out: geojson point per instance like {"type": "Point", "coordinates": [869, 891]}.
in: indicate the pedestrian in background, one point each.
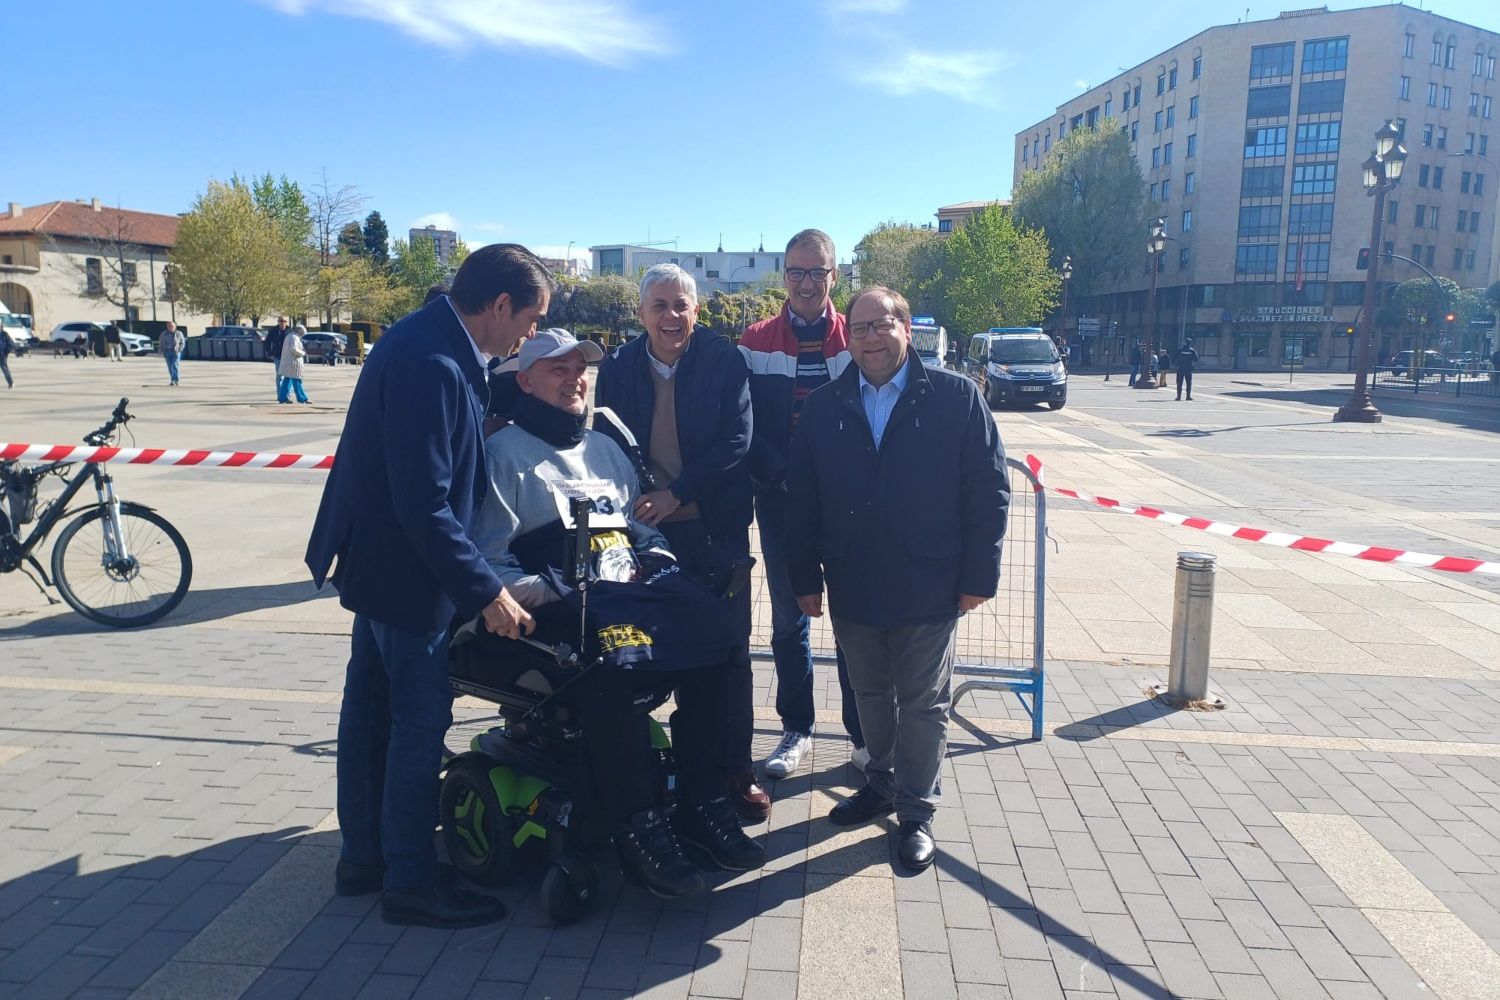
{"type": "Point", "coordinates": [291, 367]}
{"type": "Point", "coordinates": [888, 438]}
{"type": "Point", "coordinates": [173, 342]}
{"type": "Point", "coordinates": [393, 526]}
{"type": "Point", "coordinates": [6, 347]}
{"type": "Point", "coordinates": [791, 354]}
{"type": "Point", "coordinates": [1137, 360]}
{"type": "Point", "coordinates": [274, 340]}
{"type": "Point", "coordinates": [1163, 361]}
{"type": "Point", "coordinates": [1186, 359]}
{"type": "Point", "coordinates": [112, 342]}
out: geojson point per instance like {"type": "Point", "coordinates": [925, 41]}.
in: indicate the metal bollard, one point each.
{"type": "Point", "coordinates": [1192, 633]}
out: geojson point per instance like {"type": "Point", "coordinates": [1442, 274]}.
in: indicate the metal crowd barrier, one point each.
{"type": "Point", "coordinates": [1000, 647]}
{"type": "Point", "coordinates": [1456, 382]}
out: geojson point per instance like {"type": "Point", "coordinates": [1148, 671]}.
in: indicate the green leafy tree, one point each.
{"type": "Point", "coordinates": [377, 239]}
{"type": "Point", "coordinates": [997, 274]}
{"type": "Point", "coordinates": [231, 258]}
{"type": "Point", "coordinates": [1090, 199]}
{"type": "Point", "coordinates": [351, 241]}
{"type": "Point", "coordinates": [414, 268]}
{"type": "Point", "coordinates": [1492, 296]}
{"type": "Point", "coordinates": [458, 255]}
{"type": "Point", "coordinates": [283, 201]}
{"type": "Point", "coordinates": [609, 302]}
{"type": "Point", "coordinates": [900, 256]}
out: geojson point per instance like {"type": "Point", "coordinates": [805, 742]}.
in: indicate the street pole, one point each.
{"type": "Point", "coordinates": [1155, 247]}
{"type": "Point", "coordinates": [1067, 276]}
{"type": "Point", "coordinates": [1381, 172]}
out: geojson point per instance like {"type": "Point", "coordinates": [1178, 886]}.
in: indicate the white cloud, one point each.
{"type": "Point", "coordinates": [964, 75]}
{"type": "Point", "coordinates": [866, 6]}
{"type": "Point", "coordinates": [599, 30]}
{"type": "Point", "coordinates": [1081, 84]}
{"type": "Point", "coordinates": [557, 251]}
{"type": "Point", "coordinates": [442, 220]}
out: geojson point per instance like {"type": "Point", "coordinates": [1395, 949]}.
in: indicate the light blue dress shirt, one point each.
{"type": "Point", "coordinates": [880, 401]}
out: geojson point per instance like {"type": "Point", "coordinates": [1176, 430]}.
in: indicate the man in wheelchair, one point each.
{"type": "Point", "coordinates": [645, 627]}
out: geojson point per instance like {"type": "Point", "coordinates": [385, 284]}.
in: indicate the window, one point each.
{"type": "Point", "coordinates": [751, 262]}
{"type": "Point", "coordinates": [1076, 123]}
{"type": "Point", "coordinates": [1313, 256]}
{"type": "Point", "coordinates": [1320, 97]}
{"type": "Point", "coordinates": [1478, 63]}
{"type": "Point", "coordinates": [1262, 142]}
{"type": "Point", "coordinates": [1166, 154]}
{"type": "Point", "coordinates": [1047, 141]}
{"type": "Point", "coordinates": [1108, 103]}
{"type": "Point", "coordinates": [1313, 178]}
{"type": "Point", "coordinates": [1125, 100]}
{"type": "Point", "coordinates": [1411, 45]}
{"type": "Point", "coordinates": [1421, 216]}
{"type": "Point", "coordinates": [1187, 221]}
{"type": "Point", "coordinates": [1316, 219]}
{"type": "Point", "coordinates": [1431, 253]}
{"type": "Point", "coordinates": [1262, 182]}
{"type": "Point", "coordinates": [1156, 122]}
{"type": "Point", "coordinates": [1192, 108]}
{"type": "Point", "coordinates": [1172, 78]}
{"type": "Point", "coordinates": [1448, 55]}
{"type": "Point", "coordinates": [1317, 137]}
{"type": "Point", "coordinates": [1437, 178]}
{"type": "Point", "coordinates": [697, 262]}
{"type": "Point", "coordinates": [1458, 259]}
{"type": "Point", "coordinates": [93, 270]}
{"type": "Point", "coordinates": [1447, 101]}
{"type": "Point", "coordinates": [1484, 145]}
{"type": "Point", "coordinates": [1270, 61]}
{"type": "Point", "coordinates": [1269, 102]}
{"type": "Point", "coordinates": [1442, 137]}
{"type": "Point", "coordinates": [1489, 67]}
{"type": "Point", "coordinates": [1463, 182]}
{"type": "Point", "coordinates": [1479, 183]}
{"type": "Point", "coordinates": [1432, 217]}
{"type": "Point", "coordinates": [1325, 55]}
{"type": "Point", "coordinates": [127, 274]}
{"type": "Point", "coordinates": [1166, 189]}
{"type": "Point", "coordinates": [1469, 261]}
{"type": "Point", "coordinates": [1198, 66]}
{"type": "Point", "coordinates": [1255, 259]}
{"type": "Point", "coordinates": [1172, 116]}
{"type": "Point", "coordinates": [1036, 148]}
{"type": "Point", "coordinates": [1427, 134]}
{"type": "Point", "coordinates": [1182, 258]}
{"type": "Point", "coordinates": [1424, 173]}
{"type": "Point", "coordinates": [1135, 95]}
{"type": "Point", "coordinates": [945, 225]}
{"type": "Point", "coordinates": [1468, 142]}
{"type": "Point", "coordinates": [1155, 157]}
{"type": "Point", "coordinates": [169, 282]}
{"type": "Point", "coordinates": [1473, 104]}
{"type": "Point", "coordinates": [1188, 185]}
{"type": "Point", "coordinates": [1161, 83]}
{"type": "Point", "coordinates": [1473, 222]}
{"type": "Point", "coordinates": [1437, 51]}
{"type": "Point", "coordinates": [1487, 107]}
{"type": "Point", "coordinates": [1135, 131]}
{"type": "Point", "coordinates": [1432, 95]}
{"type": "Point", "coordinates": [1392, 207]}
{"type": "Point", "coordinates": [1025, 152]}
{"type": "Point", "coordinates": [1416, 252]}
{"type": "Point", "coordinates": [1257, 221]}
{"type": "Point", "coordinates": [1192, 144]}
{"type": "Point", "coordinates": [1463, 220]}
{"type": "Point", "coordinates": [1406, 88]}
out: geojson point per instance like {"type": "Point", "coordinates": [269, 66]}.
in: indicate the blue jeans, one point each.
{"type": "Point", "coordinates": [790, 648]}
{"type": "Point", "coordinates": [172, 362]}
{"type": "Point", "coordinates": [397, 709]}
{"type": "Point", "coordinates": [286, 386]}
{"type": "Point", "coordinates": [1135, 373]}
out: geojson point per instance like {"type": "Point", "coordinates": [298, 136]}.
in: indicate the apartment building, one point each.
{"type": "Point", "coordinates": [1252, 137]}
{"type": "Point", "coordinates": [713, 270]}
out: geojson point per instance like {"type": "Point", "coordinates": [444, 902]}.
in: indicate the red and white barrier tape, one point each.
{"type": "Point", "coordinates": [161, 456]}
{"type": "Point", "coordinates": [1304, 543]}
{"type": "Point", "coordinates": [274, 460]}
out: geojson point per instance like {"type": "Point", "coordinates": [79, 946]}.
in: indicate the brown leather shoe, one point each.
{"type": "Point", "coordinates": [750, 800]}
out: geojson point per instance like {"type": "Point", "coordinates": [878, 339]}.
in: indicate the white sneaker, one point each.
{"type": "Point", "coordinates": [860, 758]}
{"type": "Point", "coordinates": [788, 754]}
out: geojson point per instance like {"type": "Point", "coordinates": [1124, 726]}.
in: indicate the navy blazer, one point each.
{"type": "Point", "coordinates": [899, 531]}
{"type": "Point", "coordinates": [408, 479]}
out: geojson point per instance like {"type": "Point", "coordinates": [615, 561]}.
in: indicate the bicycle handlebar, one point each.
{"type": "Point", "coordinates": [118, 416]}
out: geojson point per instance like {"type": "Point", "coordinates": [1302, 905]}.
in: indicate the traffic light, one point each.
{"type": "Point", "coordinates": [1363, 264]}
{"type": "Point", "coordinates": [1449, 318]}
{"type": "Point", "coordinates": [1348, 331]}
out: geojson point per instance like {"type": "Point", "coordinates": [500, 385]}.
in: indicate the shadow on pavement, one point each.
{"type": "Point", "coordinates": [197, 607]}
{"type": "Point", "coordinates": [1477, 413]}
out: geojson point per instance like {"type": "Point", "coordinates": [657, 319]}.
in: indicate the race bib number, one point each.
{"type": "Point", "coordinates": [609, 501]}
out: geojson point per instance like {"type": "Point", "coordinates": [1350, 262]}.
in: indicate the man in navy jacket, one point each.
{"type": "Point", "coordinates": [393, 525]}
{"type": "Point", "coordinates": [898, 502]}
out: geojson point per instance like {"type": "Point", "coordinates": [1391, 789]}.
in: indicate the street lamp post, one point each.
{"type": "Point", "coordinates": [1156, 245]}
{"type": "Point", "coordinates": [1382, 171]}
{"type": "Point", "coordinates": [1067, 276]}
{"type": "Point", "coordinates": [744, 302]}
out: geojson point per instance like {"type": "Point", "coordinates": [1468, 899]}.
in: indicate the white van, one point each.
{"type": "Point", "coordinates": [19, 329]}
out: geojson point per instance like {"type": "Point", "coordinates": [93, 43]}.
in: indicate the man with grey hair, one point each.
{"type": "Point", "coordinates": [790, 355]}
{"type": "Point", "coordinates": [684, 394]}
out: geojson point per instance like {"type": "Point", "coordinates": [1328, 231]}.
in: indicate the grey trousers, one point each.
{"type": "Point", "coordinates": [901, 680]}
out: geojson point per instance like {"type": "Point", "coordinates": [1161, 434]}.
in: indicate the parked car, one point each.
{"type": "Point", "coordinates": [325, 347]}
{"type": "Point", "coordinates": [19, 329]}
{"type": "Point", "coordinates": [1433, 364]}
{"type": "Point", "coordinates": [1017, 365]}
{"type": "Point", "coordinates": [234, 332]}
{"type": "Point", "coordinates": [136, 343]}
{"type": "Point", "coordinates": [64, 335]}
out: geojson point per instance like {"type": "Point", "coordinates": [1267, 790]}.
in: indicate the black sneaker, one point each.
{"type": "Point", "coordinates": [650, 854]}
{"type": "Point", "coordinates": [712, 829]}
{"type": "Point", "coordinates": [441, 904]}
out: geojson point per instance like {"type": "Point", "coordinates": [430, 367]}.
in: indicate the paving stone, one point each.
{"type": "Point", "coordinates": [927, 975]}
{"type": "Point", "coordinates": [1287, 974]}
{"type": "Point", "coordinates": [1183, 970]}
{"type": "Point", "coordinates": [1219, 947]}
{"type": "Point", "coordinates": [1156, 918]}
{"type": "Point", "coordinates": [975, 956]}
{"type": "Point", "coordinates": [1033, 980]}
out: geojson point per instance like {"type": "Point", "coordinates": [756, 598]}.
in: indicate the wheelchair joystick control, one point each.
{"type": "Point", "coordinates": [579, 546]}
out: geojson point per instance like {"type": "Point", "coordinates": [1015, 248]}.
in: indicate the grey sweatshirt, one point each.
{"type": "Point", "coordinates": [530, 484]}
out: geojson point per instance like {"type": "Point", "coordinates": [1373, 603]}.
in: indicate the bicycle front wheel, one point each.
{"type": "Point", "coordinates": [122, 590]}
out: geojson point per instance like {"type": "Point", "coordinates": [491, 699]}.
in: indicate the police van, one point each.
{"type": "Point", "coordinates": [1017, 364]}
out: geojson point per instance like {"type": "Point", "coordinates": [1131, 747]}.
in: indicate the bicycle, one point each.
{"type": "Point", "coordinates": [117, 563]}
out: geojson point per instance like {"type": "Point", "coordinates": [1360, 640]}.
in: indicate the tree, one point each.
{"type": "Point", "coordinates": [106, 260]}
{"type": "Point", "coordinates": [230, 259]}
{"type": "Point", "coordinates": [353, 284]}
{"type": "Point", "coordinates": [609, 302]}
{"type": "Point", "coordinates": [414, 268]}
{"type": "Point", "coordinates": [284, 202]}
{"type": "Point", "coordinates": [1492, 296]}
{"type": "Point", "coordinates": [351, 241]}
{"type": "Point", "coordinates": [377, 239]}
{"type": "Point", "coordinates": [901, 256]}
{"type": "Point", "coordinates": [1090, 199]}
{"type": "Point", "coordinates": [332, 208]}
{"type": "Point", "coordinates": [457, 255]}
{"type": "Point", "coordinates": [998, 274]}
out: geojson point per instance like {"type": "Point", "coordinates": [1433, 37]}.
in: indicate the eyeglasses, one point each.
{"type": "Point", "coordinates": [818, 274]}
{"type": "Point", "coordinates": [884, 326]}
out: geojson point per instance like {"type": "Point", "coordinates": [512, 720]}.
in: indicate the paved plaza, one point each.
{"type": "Point", "coordinates": [166, 796]}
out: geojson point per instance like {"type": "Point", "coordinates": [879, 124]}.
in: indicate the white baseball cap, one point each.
{"type": "Point", "coordinates": [555, 343]}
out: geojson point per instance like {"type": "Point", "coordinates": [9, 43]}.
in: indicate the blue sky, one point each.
{"type": "Point", "coordinates": [549, 121]}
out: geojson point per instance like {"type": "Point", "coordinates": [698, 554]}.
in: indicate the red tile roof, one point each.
{"type": "Point", "coordinates": [79, 219]}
